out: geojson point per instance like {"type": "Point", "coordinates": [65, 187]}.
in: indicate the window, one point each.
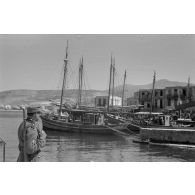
{"type": "Point", "coordinates": [184, 92]}
{"type": "Point", "coordinates": [161, 92]}
{"type": "Point", "coordinates": [161, 104]}
{"type": "Point", "coordinates": [156, 104]}
{"type": "Point", "coordinates": [169, 102]}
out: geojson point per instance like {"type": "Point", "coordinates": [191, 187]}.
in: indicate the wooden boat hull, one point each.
{"type": "Point", "coordinates": [133, 127]}
{"type": "Point", "coordinates": [128, 124]}
{"type": "Point", "coordinates": [113, 120]}
{"type": "Point", "coordinates": [63, 126]}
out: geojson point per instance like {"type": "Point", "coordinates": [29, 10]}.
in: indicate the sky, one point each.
{"type": "Point", "coordinates": [36, 61]}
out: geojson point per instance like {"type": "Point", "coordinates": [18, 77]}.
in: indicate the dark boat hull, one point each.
{"type": "Point", "coordinates": [129, 126]}
{"type": "Point", "coordinates": [133, 127]}
{"type": "Point", "coordinates": [63, 126]}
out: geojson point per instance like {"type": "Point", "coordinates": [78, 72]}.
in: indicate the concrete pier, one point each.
{"type": "Point", "coordinates": [166, 135]}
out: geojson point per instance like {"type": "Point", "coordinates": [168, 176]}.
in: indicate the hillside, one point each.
{"type": "Point", "coordinates": [15, 97]}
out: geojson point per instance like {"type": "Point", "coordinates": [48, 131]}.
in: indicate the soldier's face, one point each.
{"type": "Point", "coordinates": [36, 116]}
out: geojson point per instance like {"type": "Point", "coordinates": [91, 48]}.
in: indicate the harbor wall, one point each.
{"type": "Point", "coordinates": [168, 135]}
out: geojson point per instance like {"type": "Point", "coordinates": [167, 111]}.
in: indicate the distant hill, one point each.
{"type": "Point", "coordinates": [15, 97]}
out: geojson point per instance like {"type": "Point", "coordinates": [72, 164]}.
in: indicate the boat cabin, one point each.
{"type": "Point", "coordinates": [149, 118]}
{"type": "Point", "coordinates": [85, 117]}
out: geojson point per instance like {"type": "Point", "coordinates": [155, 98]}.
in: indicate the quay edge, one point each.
{"type": "Point", "coordinates": [165, 135]}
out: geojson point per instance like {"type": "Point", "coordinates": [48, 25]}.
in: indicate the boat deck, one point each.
{"type": "Point", "coordinates": [61, 125]}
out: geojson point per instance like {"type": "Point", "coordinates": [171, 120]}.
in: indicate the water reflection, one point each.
{"type": "Point", "coordinates": [168, 153]}
{"type": "Point", "coordinates": [86, 147]}
{"type": "Point", "coordinates": [64, 147]}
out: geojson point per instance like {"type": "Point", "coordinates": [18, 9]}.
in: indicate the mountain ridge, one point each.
{"type": "Point", "coordinates": [25, 96]}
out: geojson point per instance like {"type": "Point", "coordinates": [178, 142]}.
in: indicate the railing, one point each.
{"type": "Point", "coordinates": [4, 143]}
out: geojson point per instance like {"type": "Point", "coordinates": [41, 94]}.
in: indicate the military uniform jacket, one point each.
{"type": "Point", "coordinates": [35, 140]}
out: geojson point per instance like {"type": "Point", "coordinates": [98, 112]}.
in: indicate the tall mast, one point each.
{"type": "Point", "coordinates": [188, 90]}
{"type": "Point", "coordinates": [113, 75]}
{"type": "Point", "coordinates": [152, 97]}
{"type": "Point", "coordinates": [109, 85]}
{"type": "Point", "coordinates": [64, 80]}
{"type": "Point", "coordinates": [123, 88]}
{"type": "Point", "coordinates": [80, 81]}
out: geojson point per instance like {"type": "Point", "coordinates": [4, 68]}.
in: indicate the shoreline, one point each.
{"type": "Point", "coordinates": [10, 113]}
{"type": "Point", "coordinates": [10, 110]}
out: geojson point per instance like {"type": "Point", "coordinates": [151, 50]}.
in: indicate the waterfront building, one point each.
{"type": "Point", "coordinates": [179, 95]}
{"type": "Point", "coordinates": [8, 107]}
{"type": "Point", "coordinates": [167, 98]}
{"type": "Point", "coordinates": [145, 99]}
{"type": "Point", "coordinates": [102, 101]}
{"type": "Point", "coordinates": [132, 101]}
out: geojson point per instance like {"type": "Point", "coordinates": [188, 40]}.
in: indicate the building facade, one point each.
{"type": "Point", "coordinates": [179, 95]}
{"type": "Point", "coordinates": [167, 98]}
{"type": "Point", "coordinates": [145, 99]}
{"type": "Point", "coordinates": [102, 101]}
{"type": "Point", "coordinates": [132, 101]}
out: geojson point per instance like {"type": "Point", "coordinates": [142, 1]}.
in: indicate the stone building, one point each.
{"type": "Point", "coordinates": [133, 101]}
{"type": "Point", "coordinates": [167, 98]}
{"type": "Point", "coordinates": [178, 95]}
{"type": "Point", "coordinates": [145, 99]}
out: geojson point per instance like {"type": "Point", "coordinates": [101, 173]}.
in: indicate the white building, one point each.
{"type": "Point", "coordinates": [8, 107]}
{"type": "Point", "coordinates": [102, 101]}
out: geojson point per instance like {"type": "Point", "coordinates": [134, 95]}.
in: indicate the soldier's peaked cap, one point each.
{"type": "Point", "coordinates": [31, 110]}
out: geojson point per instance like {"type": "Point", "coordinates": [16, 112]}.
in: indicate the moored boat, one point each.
{"type": "Point", "coordinates": [79, 121]}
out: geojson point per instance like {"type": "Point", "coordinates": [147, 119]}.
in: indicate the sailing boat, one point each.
{"type": "Point", "coordinates": [79, 121]}
{"type": "Point", "coordinates": [111, 114]}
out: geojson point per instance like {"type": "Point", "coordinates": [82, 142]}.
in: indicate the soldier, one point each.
{"type": "Point", "coordinates": [35, 138]}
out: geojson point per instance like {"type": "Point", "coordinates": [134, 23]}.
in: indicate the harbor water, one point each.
{"type": "Point", "coordinates": [70, 147]}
